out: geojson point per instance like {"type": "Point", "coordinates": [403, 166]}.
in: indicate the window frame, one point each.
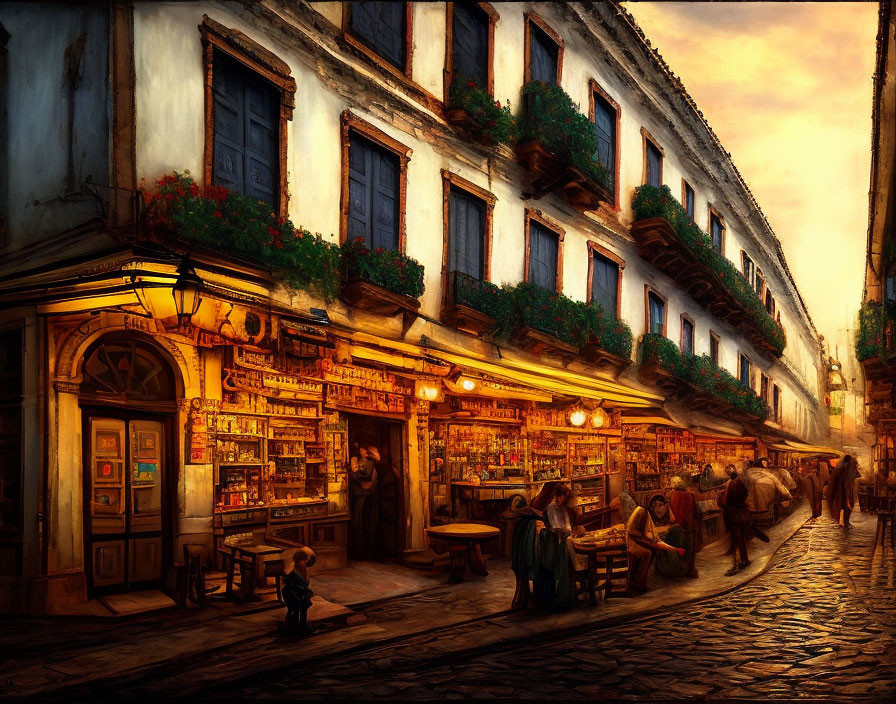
{"type": "Point", "coordinates": [751, 277]}
{"type": "Point", "coordinates": [717, 214]}
{"type": "Point", "coordinates": [352, 123]}
{"type": "Point", "coordinates": [765, 388]}
{"type": "Point", "coordinates": [740, 357]}
{"type": "Point", "coordinates": [556, 228]}
{"type": "Point", "coordinates": [645, 138]}
{"type": "Point", "coordinates": [777, 405]}
{"type": "Point", "coordinates": [450, 179]}
{"type": "Point", "coordinates": [594, 88]}
{"type": "Point", "coordinates": [760, 279]}
{"type": "Point", "coordinates": [765, 302]}
{"type": "Point", "coordinates": [595, 248]}
{"type": "Point", "coordinates": [530, 18]}
{"type": "Point", "coordinates": [215, 36]}
{"type": "Point", "coordinates": [493, 18]}
{"type": "Point", "coordinates": [685, 187]}
{"type": "Point", "coordinates": [371, 54]}
{"type": "Point", "coordinates": [648, 290]}
{"type": "Point", "coordinates": [715, 337]}
{"type": "Point", "coordinates": [685, 318]}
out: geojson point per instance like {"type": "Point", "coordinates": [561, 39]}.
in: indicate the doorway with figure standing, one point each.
{"type": "Point", "coordinates": [376, 488]}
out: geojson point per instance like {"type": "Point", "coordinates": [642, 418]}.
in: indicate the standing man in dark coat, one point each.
{"type": "Point", "coordinates": [738, 519]}
{"type": "Point", "coordinates": [842, 490]}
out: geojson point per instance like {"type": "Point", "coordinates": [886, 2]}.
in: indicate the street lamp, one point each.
{"type": "Point", "coordinates": [187, 291]}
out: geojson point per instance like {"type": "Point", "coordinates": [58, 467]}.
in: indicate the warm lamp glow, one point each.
{"type": "Point", "coordinates": [599, 418]}
{"type": "Point", "coordinates": [428, 392]}
{"type": "Point", "coordinates": [467, 384]}
{"type": "Point", "coordinates": [577, 417]}
{"type": "Point", "coordinates": [187, 291]}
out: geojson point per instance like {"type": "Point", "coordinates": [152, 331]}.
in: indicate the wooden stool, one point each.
{"type": "Point", "coordinates": [192, 577]}
{"type": "Point", "coordinates": [589, 580]}
{"type": "Point", "coordinates": [885, 508]}
{"type": "Point", "coordinates": [613, 561]}
{"type": "Point", "coordinates": [274, 566]}
{"type": "Point", "coordinates": [229, 561]}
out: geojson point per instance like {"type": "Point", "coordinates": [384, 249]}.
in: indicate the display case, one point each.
{"type": "Point", "coordinates": [240, 460]}
{"type": "Point", "coordinates": [484, 453]}
{"type": "Point", "coordinates": [548, 455]}
{"type": "Point", "coordinates": [676, 454]}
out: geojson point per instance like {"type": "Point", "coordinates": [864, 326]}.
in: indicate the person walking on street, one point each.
{"type": "Point", "coordinates": [842, 490]}
{"type": "Point", "coordinates": [738, 519]}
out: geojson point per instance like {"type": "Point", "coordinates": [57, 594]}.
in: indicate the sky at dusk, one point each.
{"type": "Point", "coordinates": [787, 87]}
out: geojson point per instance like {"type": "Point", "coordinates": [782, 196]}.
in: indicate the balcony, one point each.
{"type": "Point", "coordinates": [876, 340]}
{"type": "Point", "coordinates": [695, 379]}
{"type": "Point", "coordinates": [477, 114]}
{"type": "Point", "coordinates": [668, 238]}
{"type": "Point", "coordinates": [473, 305]}
{"type": "Point", "coordinates": [556, 145]}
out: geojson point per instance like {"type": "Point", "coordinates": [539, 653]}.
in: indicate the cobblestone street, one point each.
{"type": "Point", "coordinates": [819, 624]}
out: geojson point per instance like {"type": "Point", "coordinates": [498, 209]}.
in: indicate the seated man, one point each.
{"type": "Point", "coordinates": [670, 564]}
{"type": "Point", "coordinates": [643, 543]}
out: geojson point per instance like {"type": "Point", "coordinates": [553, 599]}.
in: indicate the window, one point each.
{"type": "Point", "coordinates": [776, 403]}
{"type": "Point", "coordinates": [466, 223]}
{"type": "Point", "coordinates": [653, 161]}
{"type": "Point", "coordinates": [745, 371]}
{"type": "Point", "coordinates": [605, 116]}
{"type": "Point", "coordinates": [249, 97]}
{"type": "Point", "coordinates": [769, 302]}
{"type": "Point", "coordinates": [759, 282]}
{"type": "Point", "coordinates": [543, 51]}
{"type": "Point", "coordinates": [605, 277]}
{"type": "Point", "coordinates": [890, 284]}
{"type": "Point", "coordinates": [246, 131]}
{"type": "Point", "coordinates": [764, 387]}
{"type": "Point", "coordinates": [382, 27]}
{"type": "Point", "coordinates": [543, 253]}
{"type": "Point", "coordinates": [687, 335]}
{"type": "Point", "coordinates": [471, 48]}
{"type": "Point", "coordinates": [688, 198]}
{"type": "Point", "coordinates": [749, 269]}
{"type": "Point", "coordinates": [656, 313]}
{"type": "Point", "coordinates": [716, 230]}
{"type": "Point", "coordinates": [374, 177]}
{"type": "Point", "coordinates": [714, 343]}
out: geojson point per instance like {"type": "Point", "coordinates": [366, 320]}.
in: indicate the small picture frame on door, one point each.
{"type": "Point", "coordinates": [108, 444]}
{"type": "Point", "coordinates": [107, 470]}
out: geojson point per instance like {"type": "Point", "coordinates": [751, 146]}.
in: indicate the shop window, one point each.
{"type": "Point", "coordinates": [374, 185]}
{"type": "Point", "coordinates": [382, 27]}
{"type": "Point", "coordinates": [745, 371]}
{"type": "Point", "coordinates": [656, 313]}
{"type": "Point", "coordinates": [466, 222]}
{"type": "Point", "coordinates": [605, 278]}
{"type": "Point", "coordinates": [544, 51]}
{"type": "Point", "coordinates": [716, 230]}
{"type": "Point", "coordinates": [543, 255]}
{"type": "Point", "coordinates": [11, 391]}
{"type": "Point", "coordinates": [472, 43]}
{"type": "Point", "coordinates": [653, 161]}
{"type": "Point", "coordinates": [126, 370]}
{"type": "Point", "coordinates": [714, 343]}
{"type": "Point", "coordinates": [250, 96]}
{"type": "Point", "coordinates": [688, 198]}
{"type": "Point", "coordinates": [687, 335]}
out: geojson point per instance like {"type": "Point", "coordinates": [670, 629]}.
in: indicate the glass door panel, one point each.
{"type": "Point", "coordinates": [107, 457]}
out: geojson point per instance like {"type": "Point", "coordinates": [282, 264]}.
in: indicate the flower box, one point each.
{"type": "Point", "coordinates": [465, 122]}
{"type": "Point", "coordinates": [600, 358]}
{"type": "Point", "coordinates": [539, 343]}
{"type": "Point", "coordinates": [473, 305]}
{"type": "Point", "coordinates": [369, 297]}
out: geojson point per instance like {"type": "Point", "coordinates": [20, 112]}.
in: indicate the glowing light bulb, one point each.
{"type": "Point", "coordinates": [468, 384]}
{"type": "Point", "coordinates": [599, 418]}
{"type": "Point", "coordinates": [577, 418]}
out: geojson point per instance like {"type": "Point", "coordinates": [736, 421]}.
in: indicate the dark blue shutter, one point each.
{"type": "Point", "coordinates": [689, 200]}
{"type": "Point", "coordinates": [744, 371]}
{"type": "Point", "coordinates": [543, 246]}
{"type": "Point", "coordinates": [657, 313]}
{"type": "Point", "coordinates": [469, 35]}
{"type": "Point", "coordinates": [654, 161]}
{"type": "Point", "coordinates": [605, 132]}
{"type": "Point", "coordinates": [543, 53]}
{"type": "Point", "coordinates": [247, 124]}
{"type": "Point", "coordinates": [381, 25]}
{"type": "Point", "coordinates": [466, 218]}
{"type": "Point", "coordinates": [605, 283]}
{"type": "Point", "coordinates": [716, 226]}
{"type": "Point", "coordinates": [687, 337]}
{"type": "Point", "coordinates": [373, 193]}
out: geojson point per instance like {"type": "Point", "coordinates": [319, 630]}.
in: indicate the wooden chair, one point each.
{"type": "Point", "coordinates": [590, 579]}
{"type": "Point", "coordinates": [275, 566]}
{"type": "Point", "coordinates": [885, 509]}
{"type": "Point", "coordinates": [614, 563]}
{"type": "Point", "coordinates": [229, 561]}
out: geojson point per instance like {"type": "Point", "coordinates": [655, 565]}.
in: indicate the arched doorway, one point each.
{"type": "Point", "coordinates": [128, 401]}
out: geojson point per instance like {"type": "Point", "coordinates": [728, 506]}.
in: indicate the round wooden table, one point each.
{"type": "Point", "coordinates": [464, 546]}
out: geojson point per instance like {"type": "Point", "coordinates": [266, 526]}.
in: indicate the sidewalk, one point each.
{"type": "Point", "coordinates": [193, 650]}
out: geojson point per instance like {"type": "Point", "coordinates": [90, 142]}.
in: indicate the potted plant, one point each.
{"type": "Point", "coordinates": [608, 340]}
{"type": "Point", "coordinates": [474, 110]}
{"type": "Point", "coordinates": [544, 322]}
{"type": "Point", "coordinates": [473, 305]}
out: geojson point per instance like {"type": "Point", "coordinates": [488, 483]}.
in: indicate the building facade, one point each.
{"type": "Point", "coordinates": [144, 411]}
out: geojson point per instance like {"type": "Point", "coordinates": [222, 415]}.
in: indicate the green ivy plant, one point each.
{"type": "Point", "coordinates": [551, 118]}
{"type": "Point", "coordinates": [607, 331]}
{"type": "Point", "coordinates": [653, 202]}
{"type": "Point", "coordinates": [873, 333]}
{"type": "Point", "coordinates": [482, 296]}
{"type": "Point", "coordinates": [493, 120]}
{"type": "Point", "coordinates": [238, 225]}
{"type": "Point", "coordinates": [702, 372]}
{"type": "Point", "coordinates": [387, 268]}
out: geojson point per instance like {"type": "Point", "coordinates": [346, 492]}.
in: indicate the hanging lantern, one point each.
{"type": "Point", "coordinates": [187, 291]}
{"type": "Point", "coordinates": [577, 417]}
{"type": "Point", "coordinates": [467, 384]}
{"type": "Point", "coordinates": [599, 418]}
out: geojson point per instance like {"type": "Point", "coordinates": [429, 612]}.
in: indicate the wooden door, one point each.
{"type": "Point", "coordinates": [124, 502]}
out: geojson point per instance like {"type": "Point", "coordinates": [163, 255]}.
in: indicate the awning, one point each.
{"type": "Point", "coordinates": [804, 449]}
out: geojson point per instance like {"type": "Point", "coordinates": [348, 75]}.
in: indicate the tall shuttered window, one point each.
{"type": "Point", "coordinates": [776, 403]}
{"type": "Point", "coordinates": [714, 344]}
{"type": "Point", "coordinates": [605, 133]}
{"type": "Point", "coordinates": [374, 194]}
{"type": "Point", "coordinates": [687, 336]}
{"type": "Point", "coordinates": [656, 309]}
{"type": "Point", "coordinates": [689, 200]}
{"type": "Point", "coordinates": [744, 370]}
{"type": "Point", "coordinates": [749, 269]}
{"type": "Point", "coordinates": [466, 222]}
{"type": "Point", "coordinates": [469, 38]}
{"type": "Point", "coordinates": [716, 228]}
{"type": "Point", "coordinates": [544, 54]}
{"type": "Point", "coordinates": [654, 175]}
{"type": "Point", "coordinates": [544, 247]}
{"type": "Point", "coordinates": [605, 283]}
{"type": "Point", "coordinates": [382, 26]}
{"type": "Point", "coordinates": [247, 128]}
